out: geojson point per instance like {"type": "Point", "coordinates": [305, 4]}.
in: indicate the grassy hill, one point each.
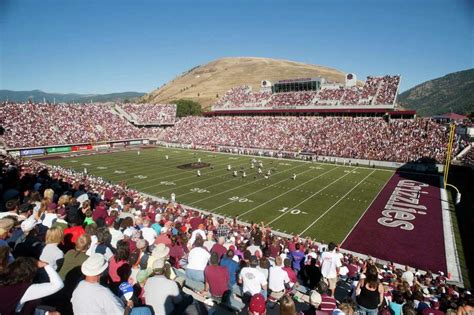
{"type": "Point", "coordinates": [453, 92]}
{"type": "Point", "coordinates": [206, 83]}
{"type": "Point", "coordinates": [39, 96]}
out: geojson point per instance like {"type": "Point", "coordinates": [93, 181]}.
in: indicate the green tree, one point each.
{"type": "Point", "coordinates": [187, 108]}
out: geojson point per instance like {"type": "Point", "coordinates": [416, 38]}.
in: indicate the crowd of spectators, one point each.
{"type": "Point", "coordinates": [303, 98]}
{"type": "Point", "coordinates": [388, 90]}
{"type": "Point", "coordinates": [376, 90]}
{"type": "Point", "coordinates": [469, 157]}
{"type": "Point", "coordinates": [30, 125]}
{"type": "Point", "coordinates": [401, 140]}
{"type": "Point", "coordinates": [151, 114]}
{"type": "Point", "coordinates": [70, 242]}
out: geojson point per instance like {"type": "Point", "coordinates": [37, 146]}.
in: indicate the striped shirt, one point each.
{"type": "Point", "coordinates": [328, 303]}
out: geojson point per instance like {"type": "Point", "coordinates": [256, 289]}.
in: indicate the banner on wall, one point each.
{"type": "Point", "coordinates": [81, 147]}
{"type": "Point", "coordinates": [27, 152]}
{"type": "Point", "coordinates": [135, 142]}
{"type": "Point", "coordinates": [58, 149]}
{"type": "Point", "coordinates": [101, 147]}
{"type": "Point", "coordinates": [118, 144]}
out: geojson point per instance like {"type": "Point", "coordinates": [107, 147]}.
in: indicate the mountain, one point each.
{"type": "Point", "coordinates": [39, 96]}
{"type": "Point", "coordinates": [452, 93]}
{"type": "Point", "coordinates": [206, 83]}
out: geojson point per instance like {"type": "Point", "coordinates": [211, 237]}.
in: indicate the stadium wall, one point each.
{"type": "Point", "coordinates": [74, 147]}
{"type": "Point", "coordinates": [419, 167]}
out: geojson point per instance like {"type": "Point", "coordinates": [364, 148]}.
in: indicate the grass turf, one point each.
{"type": "Point", "coordinates": [323, 202]}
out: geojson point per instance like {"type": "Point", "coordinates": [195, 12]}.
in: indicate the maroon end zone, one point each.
{"type": "Point", "coordinates": [404, 224]}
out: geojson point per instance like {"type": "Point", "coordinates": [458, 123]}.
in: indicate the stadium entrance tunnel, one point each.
{"type": "Point", "coordinates": [193, 166]}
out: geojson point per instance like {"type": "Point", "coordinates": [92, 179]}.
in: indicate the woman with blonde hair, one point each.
{"type": "Point", "coordinates": [287, 306]}
{"type": "Point", "coordinates": [51, 252]}
{"type": "Point", "coordinates": [43, 207]}
{"type": "Point", "coordinates": [75, 257]}
{"type": "Point", "coordinates": [49, 194]}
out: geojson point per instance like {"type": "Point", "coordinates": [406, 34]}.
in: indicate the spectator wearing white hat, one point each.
{"type": "Point", "coordinates": [90, 297]}
{"type": "Point", "coordinates": [161, 293]}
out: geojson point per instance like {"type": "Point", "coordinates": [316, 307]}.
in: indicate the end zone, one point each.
{"type": "Point", "coordinates": [409, 223]}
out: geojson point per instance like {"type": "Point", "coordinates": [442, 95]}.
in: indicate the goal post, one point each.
{"type": "Point", "coordinates": [449, 153]}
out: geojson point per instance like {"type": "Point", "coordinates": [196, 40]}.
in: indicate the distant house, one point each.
{"type": "Point", "coordinates": [449, 117]}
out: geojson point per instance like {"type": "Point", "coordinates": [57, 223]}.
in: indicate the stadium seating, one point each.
{"type": "Point", "coordinates": [401, 140]}
{"type": "Point", "coordinates": [151, 114]}
{"type": "Point", "coordinates": [376, 91]}
{"type": "Point", "coordinates": [177, 225]}
{"type": "Point", "coordinates": [29, 125]}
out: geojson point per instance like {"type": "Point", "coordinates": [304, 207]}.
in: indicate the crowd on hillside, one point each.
{"type": "Point", "coordinates": [28, 125]}
{"type": "Point", "coordinates": [402, 140]}
{"type": "Point", "coordinates": [70, 242]}
{"type": "Point", "coordinates": [376, 90]}
{"type": "Point", "coordinates": [156, 114]}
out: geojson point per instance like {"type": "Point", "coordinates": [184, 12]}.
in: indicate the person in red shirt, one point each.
{"type": "Point", "coordinates": [216, 277]}
{"type": "Point", "coordinates": [291, 273]}
{"type": "Point", "coordinates": [219, 247]}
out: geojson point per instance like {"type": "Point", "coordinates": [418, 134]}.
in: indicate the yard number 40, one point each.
{"type": "Point", "coordinates": [292, 211]}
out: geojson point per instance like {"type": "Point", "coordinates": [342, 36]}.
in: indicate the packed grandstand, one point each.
{"type": "Point", "coordinates": [165, 257]}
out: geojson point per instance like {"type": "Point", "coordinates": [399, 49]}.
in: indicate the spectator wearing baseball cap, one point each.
{"type": "Point", "coordinates": [433, 309]}
{"type": "Point", "coordinates": [161, 293]}
{"type": "Point", "coordinates": [257, 305]}
{"type": "Point", "coordinates": [90, 297]}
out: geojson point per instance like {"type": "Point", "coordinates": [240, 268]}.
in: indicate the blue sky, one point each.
{"type": "Point", "coordinates": [92, 46]}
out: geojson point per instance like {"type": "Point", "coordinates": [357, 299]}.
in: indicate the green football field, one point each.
{"type": "Point", "coordinates": [324, 201]}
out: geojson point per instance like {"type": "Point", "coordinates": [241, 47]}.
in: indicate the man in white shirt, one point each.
{"type": "Point", "coordinates": [198, 258]}
{"type": "Point", "coordinates": [330, 264]}
{"type": "Point", "coordinates": [253, 281]}
{"type": "Point", "coordinates": [90, 297]}
{"type": "Point", "coordinates": [408, 276]}
{"type": "Point", "coordinates": [277, 279]}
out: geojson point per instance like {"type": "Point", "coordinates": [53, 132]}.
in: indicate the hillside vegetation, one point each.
{"type": "Point", "coordinates": [453, 92]}
{"type": "Point", "coordinates": [206, 83]}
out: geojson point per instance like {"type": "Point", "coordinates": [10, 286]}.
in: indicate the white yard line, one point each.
{"type": "Point", "coordinates": [292, 160]}
{"type": "Point", "coordinates": [311, 196]}
{"type": "Point", "coordinates": [452, 259]}
{"type": "Point", "coordinates": [280, 195]}
{"type": "Point", "coordinates": [223, 192]}
{"type": "Point", "coordinates": [194, 175]}
{"type": "Point", "coordinates": [167, 168]}
{"type": "Point", "coordinates": [370, 205]}
{"type": "Point", "coordinates": [340, 199]}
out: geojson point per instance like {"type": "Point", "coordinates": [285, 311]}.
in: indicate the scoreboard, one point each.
{"type": "Point", "coordinates": [295, 85]}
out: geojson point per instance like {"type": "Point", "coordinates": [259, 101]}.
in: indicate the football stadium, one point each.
{"type": "Point", "coordinates": [300, 194]}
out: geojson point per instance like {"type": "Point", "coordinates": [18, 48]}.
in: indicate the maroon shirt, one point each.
{"type": "Point", "coordinates": [219, 249]}
{"type": "Point", "coordinates": [99, 212]}
{"type": "Point", "coordinates": [194, 222]}
{"type": "Point", "coordinates": [218, 279]}
{"type": "Point", "coordinates": [328, 303]}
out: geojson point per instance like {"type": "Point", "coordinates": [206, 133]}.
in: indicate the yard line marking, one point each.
{"type": "Point", "coordinates": [329, 209]}
{"type": "Point", "coordinates": [294, 207]}
{"type": "Point", "coordinates": [370, 205]}
{"type": "Point", "coordinates": [276, 197]}
{"type": "Point", "coordinates": [165, 166]}
{"type": "Point", "coordinates": [191, 176]}
{"type": "Point", "coordinates": [296, 160]}
{"type": "Point", "coordinates": [253, 182]}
